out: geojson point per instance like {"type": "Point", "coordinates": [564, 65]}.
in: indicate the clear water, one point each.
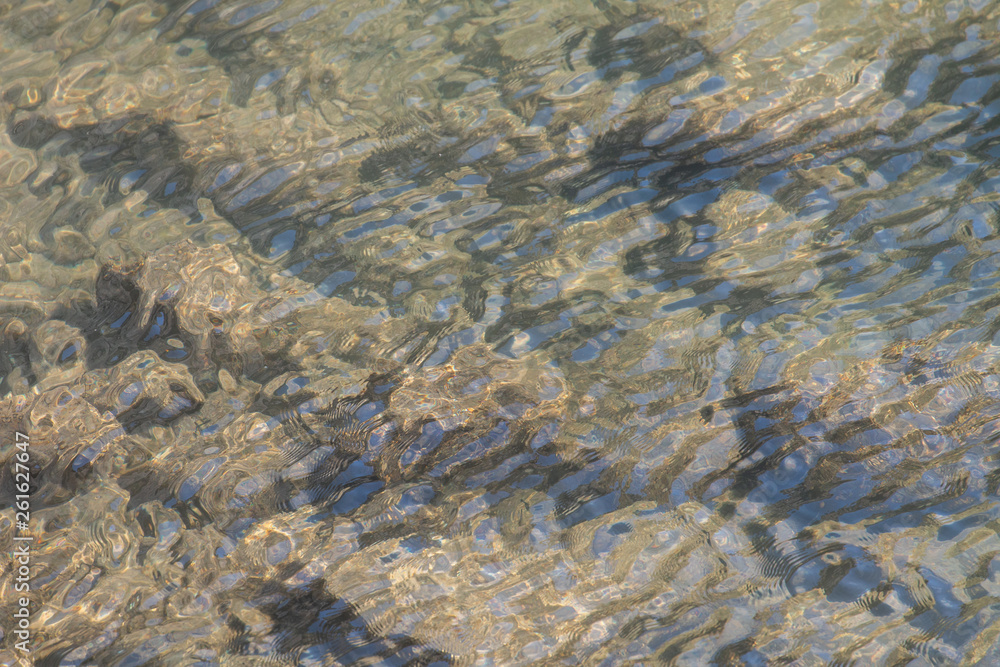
{"type": "Point", "coordinates": [607, 333]}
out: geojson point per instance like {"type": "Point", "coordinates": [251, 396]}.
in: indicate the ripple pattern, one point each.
{"type": "Point", "coordinates": [423, 333]}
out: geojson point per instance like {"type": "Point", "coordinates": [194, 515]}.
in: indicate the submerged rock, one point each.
{"type": "Point", "coordinates": [194, 392]}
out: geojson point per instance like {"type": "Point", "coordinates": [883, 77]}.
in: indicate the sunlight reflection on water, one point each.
{"type": "Point", "coordinates": [505, 333]}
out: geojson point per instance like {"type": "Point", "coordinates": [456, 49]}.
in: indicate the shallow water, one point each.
{"type": "Point", "coordinates": [605, 333]}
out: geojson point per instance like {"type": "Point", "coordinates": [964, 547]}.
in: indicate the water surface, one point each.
{"type": "Point", "coordinates": [607, 333]}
